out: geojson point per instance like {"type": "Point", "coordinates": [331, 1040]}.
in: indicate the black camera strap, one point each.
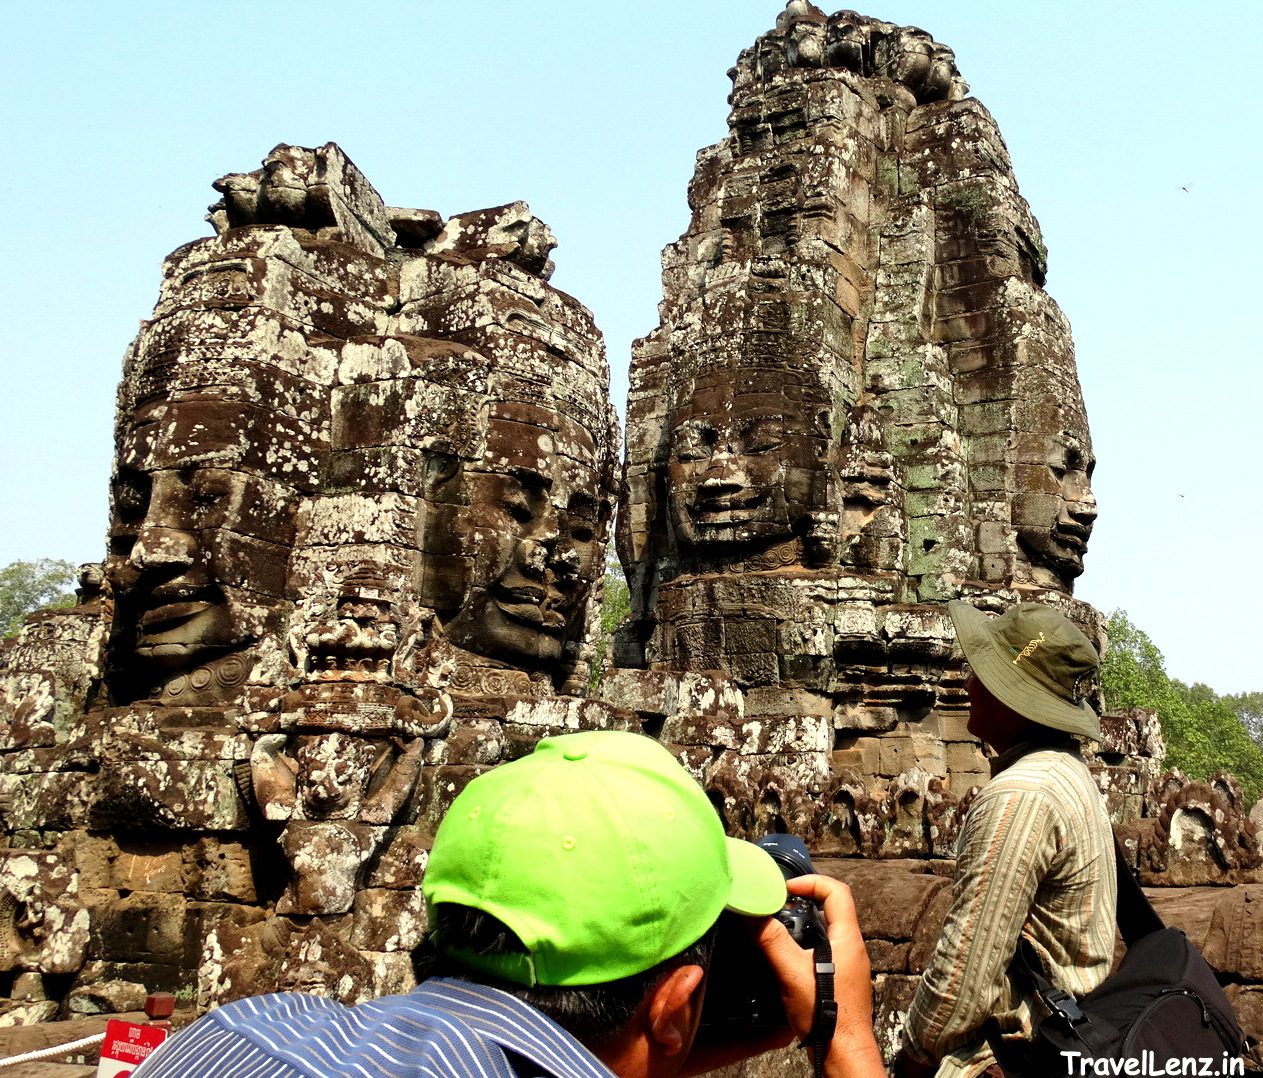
{"type": "Point", "coordinates": [825, 1022]}
{"type": "Point", "coordinates": [790, 853]}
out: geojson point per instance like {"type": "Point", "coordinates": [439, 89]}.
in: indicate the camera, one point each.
{"type": "Point", "coordinates": [742, 991]}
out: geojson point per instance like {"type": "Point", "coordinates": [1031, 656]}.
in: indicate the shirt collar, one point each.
{"type": "Point", "coordinates": [513, 1024]}
{"type": "Point", "coordinates": [1056, 742]}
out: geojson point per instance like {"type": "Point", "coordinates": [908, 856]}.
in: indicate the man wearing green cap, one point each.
{"type": "Point", "coordinates": [572, 897]}
{"type": "Point", "coordinates": [1035, 858]}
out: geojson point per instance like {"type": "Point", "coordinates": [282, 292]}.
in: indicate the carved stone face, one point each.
{"type": "Point", "coordinates": [1054, 520]}
{"type": "Point", "coordinates": [198, 545]}
{"type": "Point", "coordinates": [534, 526]}
{"type": "Point", "coordinates": [333, 771]}
{"type": "Point", "coordinates": [743, 467]}
{"type": "Point", "coordinates": [920, 63]}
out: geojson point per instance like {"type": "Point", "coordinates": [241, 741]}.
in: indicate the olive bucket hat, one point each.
{"type": "Point", "coordinates": [1035, 661]}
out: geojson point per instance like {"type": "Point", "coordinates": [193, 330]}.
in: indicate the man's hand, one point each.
{"type": "Point", "coordinates": [853, 1052]}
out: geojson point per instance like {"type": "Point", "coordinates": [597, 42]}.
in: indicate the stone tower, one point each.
{"type": "Point", "coordinates": [859, 403]}
{"type": "Point", "coordinates": [362, 489]}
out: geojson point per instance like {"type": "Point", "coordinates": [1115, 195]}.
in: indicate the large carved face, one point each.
{"type": "Point", "coordinates": [534, 523]}
{"type": "Point", "coordinates": [198, 539]}
{"type": "Point", "coordinates": [744, 466]}
{"type": "Point", "coordinates": [1054, 516]}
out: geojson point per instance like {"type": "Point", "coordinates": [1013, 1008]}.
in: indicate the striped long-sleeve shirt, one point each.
{"type": "Point", "coordinates": [441, 1029]}
{"type": "Point", "coordinates": [1035, 858]}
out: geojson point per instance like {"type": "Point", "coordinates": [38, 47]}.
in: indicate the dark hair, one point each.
{"type": "Point", "coordinates": [594, 1014]}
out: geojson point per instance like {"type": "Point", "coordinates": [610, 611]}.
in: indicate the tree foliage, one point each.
{"type": "Point", "coordinates": [615, 608]}
{"type": "Point", "coordinates": [1204, 732]}
{"type": "Point", "coordinates": [27, 586]}
{"type": "Point", "coordinates": [1249, 708]}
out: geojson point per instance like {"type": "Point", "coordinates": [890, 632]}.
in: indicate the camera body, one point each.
{"type": "Point", "coordinates": [742, 991]}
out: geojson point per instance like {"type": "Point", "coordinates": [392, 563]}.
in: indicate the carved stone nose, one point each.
{"type": "Point", "coordinates": [566, 561]}
{"type": "Point", "coordinates": [160, 547]}
{"type": "Point", "coordinates": [1081, 504]}
{"type": "Point", "coordinates": [722, 477]}
{"type": "Point", "coordinates": [534, 555]}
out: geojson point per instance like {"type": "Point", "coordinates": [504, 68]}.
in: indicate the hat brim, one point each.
{"type": "Point", "coordinates": [992, 663]}
{"type": "Point", "coordinates": [758, 888]}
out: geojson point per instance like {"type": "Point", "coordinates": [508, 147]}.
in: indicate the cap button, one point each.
{"type": "Point", "coordinates": [575, 754]}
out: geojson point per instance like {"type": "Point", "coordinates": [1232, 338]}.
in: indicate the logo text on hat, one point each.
{"type": "Point", "coordinates": [1029, 649]}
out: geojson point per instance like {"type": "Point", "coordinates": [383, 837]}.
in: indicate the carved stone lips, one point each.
{"type": "Point", "coordinates": [1074, 536]}
{"type": "Point", "coordinates": [532, 604]}
{"type": "Point", "coordinates": [166, 616]}
{"type": "Point", "coordinates": [170, 606]}
{"type": "Point", "coordinates": [727, 508]}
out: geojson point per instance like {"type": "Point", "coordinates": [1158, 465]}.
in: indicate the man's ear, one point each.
{"type": "Point", "coordinates": [674, 1007]}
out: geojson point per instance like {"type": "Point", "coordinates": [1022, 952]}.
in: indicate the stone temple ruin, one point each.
{"type": "Point", "coordinates": [364, 480]}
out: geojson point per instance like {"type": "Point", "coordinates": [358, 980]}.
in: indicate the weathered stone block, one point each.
{"type": "Point", "coordinates": [959, 783]}
{"type": "Point", "coordinates": [865, 717]}
{"type": "Point", "coordinates": [222, 871]}
{"type": "Point", "coordinates": [135, 869]}
{"type": "Point", "coordinates": [964, 757]}
{"type": "Point", "coordinates": [401, 863]}
{"type": "Point", "coordinates": [392, 973]}
{"type": "Point", "coordinates": [388, 920]}
{"type": "Point", "coordinates": [190, 795]}
{"type": "Point", "coordinates": [141, 927]}
{"type": "Point", "coordinates": [1234, 942]}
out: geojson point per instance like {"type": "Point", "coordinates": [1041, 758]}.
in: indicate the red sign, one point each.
{"type": "Point", "coordinates": [125, 1045]}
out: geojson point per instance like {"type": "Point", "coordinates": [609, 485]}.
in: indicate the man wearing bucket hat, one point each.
{"type": "Point", "coordinates": [1035, 857]}
{"type": "Point", "coordinates": [572, 897]}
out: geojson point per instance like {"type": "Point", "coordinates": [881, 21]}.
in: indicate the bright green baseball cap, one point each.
{"type": "Point", "coordinates": [601, 853]}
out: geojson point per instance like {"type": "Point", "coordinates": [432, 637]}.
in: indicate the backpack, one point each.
{"type": "Point", "coordinates": [1163, 1003]}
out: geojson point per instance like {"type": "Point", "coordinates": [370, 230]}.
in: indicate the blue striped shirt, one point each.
{"type": "Point", "coordinates": [441, 1029]}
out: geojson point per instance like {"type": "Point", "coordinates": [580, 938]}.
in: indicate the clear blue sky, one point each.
{"type": "Point", "coordinates": [1133, 129]}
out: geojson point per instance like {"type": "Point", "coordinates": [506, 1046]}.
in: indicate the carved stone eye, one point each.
{"type": "Point", "coordinates": [209, 489]}
{"type": "Point", "coordinates": [515, 501]}
{"type": "Point", "coordinates": [523, 494]}
{"type": "Point", "coordinates": [131, 494]}
{"type": "Point", "coordinates": [763, 435]}
{"type": "Point", "coordinates": [581, 519]}
{"type": "Point", "coordinates": [693, 441]}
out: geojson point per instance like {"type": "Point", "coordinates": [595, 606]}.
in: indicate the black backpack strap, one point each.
{"type": "Point", "coordinates": [1060, 1003]}
{"type": "Point", "coordinates": [1063, 1007]}
{"type": "Point", "coordinates": [1136, 916]}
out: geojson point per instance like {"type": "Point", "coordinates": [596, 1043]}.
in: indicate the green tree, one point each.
{"type": "Point", "coordinates": [1249, 709]}
{"type": "Point", "coordinates": [1204, 732]}
{"type": "Point", "coordinates": [615, 607]}
{"type": "Point", "coordinates": [26, 586]}
{"type": "Point", "coordinates": [1230, 747]}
